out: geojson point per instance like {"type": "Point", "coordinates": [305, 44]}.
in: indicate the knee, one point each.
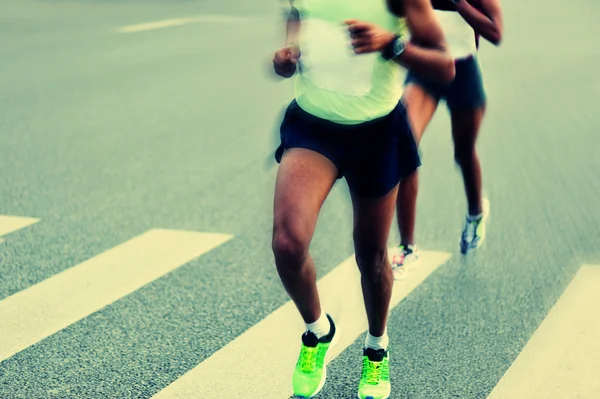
{"type": "Point", "coordinates": [464, 154]}
{"type": "Point", "coordinates": [373, 263]}
{"type": "Point", "coordinates": [289, 247]}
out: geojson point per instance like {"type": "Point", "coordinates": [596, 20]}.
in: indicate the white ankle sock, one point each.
{"type": "Point", "coordinates": [320, 327]}
{"type": "Point", "coordinates": [377, 342]}
{"type": "Point", "coordinates": [472, 218]}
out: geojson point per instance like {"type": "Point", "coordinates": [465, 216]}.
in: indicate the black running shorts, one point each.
{"type": "Point", "coordinates": [372, 156]}
{"type": "Point", "coordinates": [466, 92]}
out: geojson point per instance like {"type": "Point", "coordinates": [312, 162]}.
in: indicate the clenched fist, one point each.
{"type": "Point", "coordinates": [285, 61]}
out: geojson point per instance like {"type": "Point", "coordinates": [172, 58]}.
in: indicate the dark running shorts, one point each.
{"type": "Point", "coordinates": [373, 156]}
{"type": "Point", "coordinates": [466, 92]}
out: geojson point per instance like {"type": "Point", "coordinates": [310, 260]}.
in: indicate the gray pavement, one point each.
{"type": "Point", "coordinates": [105, 135]}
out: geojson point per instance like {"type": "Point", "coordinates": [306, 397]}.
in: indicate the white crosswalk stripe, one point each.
{"type": "Point", "coordinates": [562, 358]}
{"type": "Point", "coordinates": [10, 224]}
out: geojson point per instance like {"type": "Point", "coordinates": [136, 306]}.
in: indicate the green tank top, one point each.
{"type": "Point", "coordinates": [333, 83]}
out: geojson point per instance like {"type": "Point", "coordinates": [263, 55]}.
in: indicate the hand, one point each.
{"type": "Point", "coordinates": [285, 60]}
{"type": "Point", "coordinates": [367, 37]}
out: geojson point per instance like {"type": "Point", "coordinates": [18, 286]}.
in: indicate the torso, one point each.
{"type": "Point", "coordinates": [462, 40]}
{"type": "Point", "coordinates": [334, 83]}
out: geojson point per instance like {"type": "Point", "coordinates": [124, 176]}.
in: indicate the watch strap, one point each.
{"type": "Point", "coordinates": [388, 51]}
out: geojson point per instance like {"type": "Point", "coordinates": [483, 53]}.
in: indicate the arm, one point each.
{"type": "Point", "coordinates": [426, 52]}
{"type": "Point", "coordinates": [488, 22]}
{"type": "Point", "coordinates": [285, 59]}
{"type": "Point", "coordinates": [292, 30]}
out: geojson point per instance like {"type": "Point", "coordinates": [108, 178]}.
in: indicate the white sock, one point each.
{"type": "Point", "coordinates": [320, 327]}
{"type": "Point", "coordinates": [472, 218]}
{"type": "Point", "coordinates": [377, 342]}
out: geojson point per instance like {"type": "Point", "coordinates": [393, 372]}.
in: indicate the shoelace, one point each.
{"type": "Point", "coordinates": [372, 371]}
{"type": "Point", "coordinates": [308, 362]}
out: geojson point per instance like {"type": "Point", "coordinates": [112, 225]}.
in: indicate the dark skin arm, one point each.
{"type": "Point", "coordinates": [285, 59]}
{"type": "Point", "coordinates": [425, 53]}
{"type": "Point", "coordinates": [292, 31]}
{"type": "Point", "coordinates": [487, 23]}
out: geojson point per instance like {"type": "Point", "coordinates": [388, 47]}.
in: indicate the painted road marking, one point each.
{"type": "Point", "coordinates": [9, 224]}
{"type": "Point", "coordinates": [169, 23]}
{"type": "Point", "coordinates": [39, 311]}
{"type": "Point", "coordinates": [239, 370]}
{"type": "Point", "coordinates": [562, 358]}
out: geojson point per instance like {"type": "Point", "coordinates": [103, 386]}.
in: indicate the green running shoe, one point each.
{"type": "Point", "coordinates": [375, 378]}
{"type": "Point", "coordinates": [310, 373]}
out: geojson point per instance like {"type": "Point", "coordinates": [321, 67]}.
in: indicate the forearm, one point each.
{"type": "Point", "coordinates": [433, 63]}
{"type": "Point", "coordinates": [292, 28]}
{"type": "Point", "coordinates": [480, 22]}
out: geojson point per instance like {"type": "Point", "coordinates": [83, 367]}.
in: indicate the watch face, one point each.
{"type": "Point", "coordinates": [398, 47]}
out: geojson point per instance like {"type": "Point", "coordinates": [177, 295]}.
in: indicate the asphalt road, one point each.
{"type": "Point", "coordinates": [104, 135]}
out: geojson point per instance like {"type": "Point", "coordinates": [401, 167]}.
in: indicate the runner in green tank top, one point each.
{"type": "Point", "coordinates": [346, 120]}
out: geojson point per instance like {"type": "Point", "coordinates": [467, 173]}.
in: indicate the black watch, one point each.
{"type": "Point", "coordinates": [455, 2]}
{"type": "Point", "coordinates": [393, 49]}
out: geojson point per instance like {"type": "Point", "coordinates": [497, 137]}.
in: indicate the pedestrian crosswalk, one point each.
{"type": "Point", "coordinates": [234, 369]}
{"type": "Point", "coordinates": [561, 360]}
{"type": "Point", "coordinates": [51, 305]}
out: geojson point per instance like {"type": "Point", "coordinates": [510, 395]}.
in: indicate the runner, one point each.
{"type": "Point", "coordinates": [347, 121]}
{"type": "Point", "coordinates": [463, 23]}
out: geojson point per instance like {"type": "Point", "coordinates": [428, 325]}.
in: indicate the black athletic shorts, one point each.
{"type": "Point", "coordinates": [373, 156]}
{"type": "Point", "coordinates": [466, 92]}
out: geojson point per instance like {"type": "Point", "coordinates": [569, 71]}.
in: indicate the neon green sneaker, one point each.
{"type": "Point", "coordinates": [310, 373]}
{"type": "Point", "coordinates": [375, 378]}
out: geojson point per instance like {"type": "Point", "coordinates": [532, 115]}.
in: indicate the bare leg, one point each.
{"type": "Point", "coordinates": [420, 108]}
{"type": "Point", "coordinates": [303, 182]}
{"type": "Point", "coordinates": [465, 130]}
{"type": "Point", "coordinates": [372, 222]}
